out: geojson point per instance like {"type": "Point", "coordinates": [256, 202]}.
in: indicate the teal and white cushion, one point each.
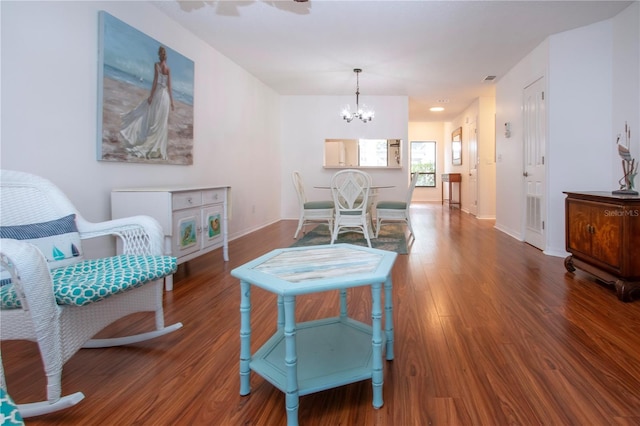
{"type": "Point", "coordinates": [318, 205]}
{"type": "Point", "coordinates": [96, 279]}
{"type": "Point", "coordinates": [9, 414]}
{"type": "Point", "coordinates": [392, 205]}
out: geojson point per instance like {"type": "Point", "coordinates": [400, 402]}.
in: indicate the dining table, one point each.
{"type": "Point", "coordinates": [373, 194]}
{"type": "Point", "coordinates": [373, 189]}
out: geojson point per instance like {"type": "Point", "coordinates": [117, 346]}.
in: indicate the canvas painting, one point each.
{"type": "Point", "coordinates": [145, 98]}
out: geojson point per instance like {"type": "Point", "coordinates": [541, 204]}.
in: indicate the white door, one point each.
{"type": "Point", "coordinates": [473, 168]}
{"type": "Point", "coordinates": [535, 127]}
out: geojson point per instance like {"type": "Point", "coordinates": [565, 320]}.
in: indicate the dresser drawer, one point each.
{"type": "Point", "coordinates": [212, 196]}
{"type": "Point", "coordinates": [185, 200]}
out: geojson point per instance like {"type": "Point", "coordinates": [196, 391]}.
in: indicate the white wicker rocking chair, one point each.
{"type": "Point", "coordinates": [63, 307]}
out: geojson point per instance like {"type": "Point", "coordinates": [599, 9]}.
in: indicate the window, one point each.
{"type": "Point", "coordinates": [423, 161]}
{"type": "Point", "coordinates": [372, 152]}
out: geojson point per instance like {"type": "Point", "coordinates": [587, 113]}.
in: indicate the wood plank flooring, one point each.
{"type": "Point", "coordinates": [488, 331]}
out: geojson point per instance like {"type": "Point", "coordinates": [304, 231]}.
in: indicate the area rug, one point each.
{"type": "Point", "coordinates": [392, 238]}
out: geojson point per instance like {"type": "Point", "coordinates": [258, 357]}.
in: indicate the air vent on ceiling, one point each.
{"type": "Point", "coordinates": [489, 78]}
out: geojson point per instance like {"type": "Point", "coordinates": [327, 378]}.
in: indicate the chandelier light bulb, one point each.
{"type": "Point", "coordinates": [363, 113]}
{"type": "Point", "coordinates": [346, 113]}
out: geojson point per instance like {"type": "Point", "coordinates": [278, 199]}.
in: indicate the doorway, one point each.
{"type": "Point", "coordinates": [472, 131]}
{"type": "Point", "coordinates": [534, 132]}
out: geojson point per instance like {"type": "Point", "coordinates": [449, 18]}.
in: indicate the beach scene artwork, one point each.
{"type": "Point", "coordinates": [137, 123]}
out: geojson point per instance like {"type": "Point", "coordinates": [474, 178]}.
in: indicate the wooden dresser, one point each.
{"type": "Point", "coordinates": [603, 237]}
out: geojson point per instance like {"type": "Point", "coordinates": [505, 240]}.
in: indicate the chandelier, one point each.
{"type": "Point", "coordinates": [363, 113]}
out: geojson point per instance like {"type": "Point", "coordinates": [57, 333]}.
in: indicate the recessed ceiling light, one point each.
{"type": "Point", "coordinates": [436, 109]}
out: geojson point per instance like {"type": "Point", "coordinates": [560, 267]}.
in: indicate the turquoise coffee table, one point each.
{"type": "Point", "coordinates": [300, 359]}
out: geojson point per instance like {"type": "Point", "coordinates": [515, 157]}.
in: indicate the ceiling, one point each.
{"type": "Point", "coordinates": [437, 53]}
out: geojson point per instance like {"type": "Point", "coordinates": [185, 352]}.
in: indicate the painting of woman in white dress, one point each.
{"type": "Point", "coordinates": [144, 128]}
{"type": "Point", "coordinates": [146, 93]}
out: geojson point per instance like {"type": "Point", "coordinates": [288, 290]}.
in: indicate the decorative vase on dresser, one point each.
{"type": "Point", "coordinates": [603, 237]}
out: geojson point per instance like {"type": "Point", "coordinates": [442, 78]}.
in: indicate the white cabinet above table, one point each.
{"type": "Point", "coordinates": [193, 219]}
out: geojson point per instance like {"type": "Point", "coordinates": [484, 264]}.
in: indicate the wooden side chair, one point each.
{"type": "Point", "coordinates": [396, 211]}
{"type": "Point", "coordinates": [321, 211]}
{"type": "Point", "coordinates": [350, 189]}
{"type": "Point", "coordinates": [52, 295]}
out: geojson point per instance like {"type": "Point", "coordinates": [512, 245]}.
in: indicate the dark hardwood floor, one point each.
{"type": "Point", "coordinates": [488, 331]}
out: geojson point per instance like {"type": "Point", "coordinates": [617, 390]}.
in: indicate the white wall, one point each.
{"type": "Point", "coordinates": [592, 88]}
{"type": "Point", "coordinates": [308, 120]}
{"type": "Point", "coordinates": [626, 82]}
{"type": "Point", "coordinates": [49, 112]}
{"type": "Point", "coordinates": [479, 116]}
{"type": "Point", "coordinates": [466, 120]}
{"type": "Point", "coordinates": [486, 128]}
{"type": "Point", "coordinates": [579, 148]}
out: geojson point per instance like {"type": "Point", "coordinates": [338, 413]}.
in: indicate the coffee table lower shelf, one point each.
{"type": "Point", "coordinates": [331, 352]}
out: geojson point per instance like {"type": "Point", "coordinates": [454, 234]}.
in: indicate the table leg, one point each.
{"type": "Point", "coordinates": [343, 304]}
{"type": "Point", "coordinates": [291, 360]}
{"type": "Point", "coordinates": [280, 322]}
{"type": "Point", "coordinates": [372, 210]}
{"type": "Point", "coordinates": [388, 318]}
{"type": "Point", "coordinates": [376, 341]}
{"type": "Point", "coordinates": [245, 336]}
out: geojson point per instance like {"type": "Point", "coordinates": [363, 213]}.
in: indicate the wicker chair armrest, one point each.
{"type": "Point", "coordinates": [138, 234]}
{"type": "Point", "coordinates": [30, 277]}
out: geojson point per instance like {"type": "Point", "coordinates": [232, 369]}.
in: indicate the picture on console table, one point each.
{"type": "Point", "coordinates": [145, 98]}
{"type": "Point", "coordinates": [187, 228]}
{"type": "Point", "coordinates": [213, 225]}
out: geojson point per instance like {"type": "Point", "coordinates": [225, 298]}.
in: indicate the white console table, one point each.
{"type": "Point", "coordinates": [193, 219]}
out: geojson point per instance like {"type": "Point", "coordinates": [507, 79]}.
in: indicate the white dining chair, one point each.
{"type": "Point", "coordinates": [396, 211]}
{"type": "Point", "coordinates": [321, 211]}
{"type": "Point", "coordinates": [350, 190]}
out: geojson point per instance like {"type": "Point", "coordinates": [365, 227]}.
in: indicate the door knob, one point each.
{"type": "Point", "coordinates": [525, 174]}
